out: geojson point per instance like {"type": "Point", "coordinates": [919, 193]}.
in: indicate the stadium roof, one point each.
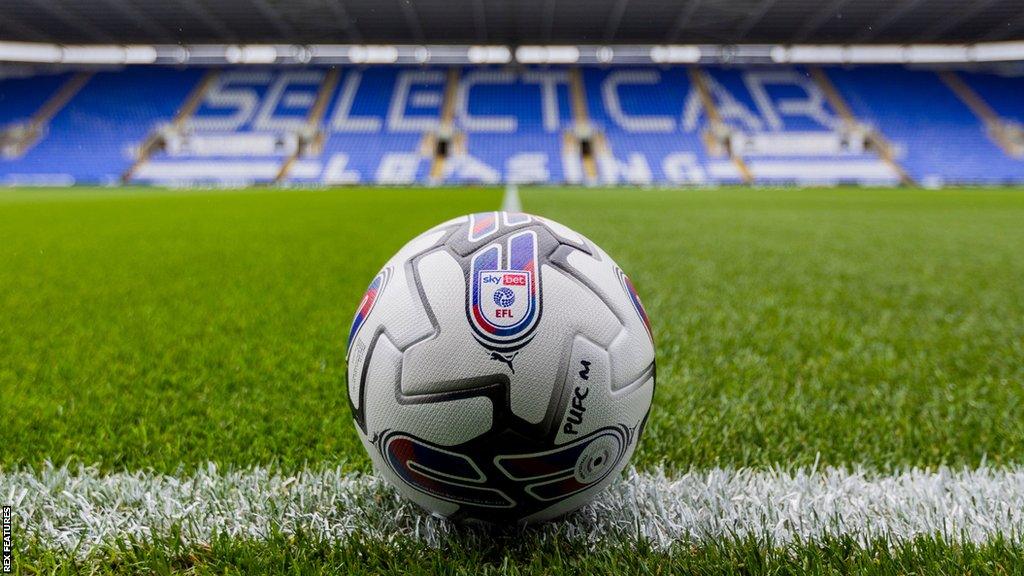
{"type": "Point", "coordinates": [511, 21]}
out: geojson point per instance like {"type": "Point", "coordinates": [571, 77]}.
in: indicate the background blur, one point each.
{"type": "Point", "coordinates": [484, 91]}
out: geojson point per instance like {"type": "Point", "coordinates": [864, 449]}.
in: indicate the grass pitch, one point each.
{"type": "Point", "coordinates": [147, 329]}
{"type": "Point", "coordinates": [520, 554]}
{"type": "Point", "coordinates": [881, 327]}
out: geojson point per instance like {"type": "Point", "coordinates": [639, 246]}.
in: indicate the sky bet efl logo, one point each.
{"type": "Point", "coordinates": [505, 300]}
{"type": "Point", "coordinates": [504, 296]}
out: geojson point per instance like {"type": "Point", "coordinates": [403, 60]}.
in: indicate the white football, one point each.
{"type": "Point", "coordinates": [500, 368]}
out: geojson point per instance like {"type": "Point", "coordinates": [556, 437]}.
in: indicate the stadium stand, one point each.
{"type": "Point", "coordinates": [636, 125]}
{"type": "Point", "coordinates": [511, 122]}
{"type": "Point", "coordinates": [90, 126]}
{"type": "Point", "coordinates": [783, 125]}
{"type": "Point", "coordinates": [647, 128]}
{"type": "Point", "coordinates": [937, 136]}
{"type": "Point", "coordinates": [996, 102]}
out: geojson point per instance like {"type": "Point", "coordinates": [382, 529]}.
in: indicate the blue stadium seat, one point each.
{"type": "Point", "coordinates": [512, 129]}
{"type": "Point", "coordinates": [645, 125]}
{"type": "Point", "coordinates": [20, 98]}
{"type": "Point", "coordinates": [1002, 93]}
{"type": "Point", "coordinates": [642, 114]}
{"type": "Point", "coordinates": [92, 139]}
{"type": "Point", "coordinates": [939, 139]}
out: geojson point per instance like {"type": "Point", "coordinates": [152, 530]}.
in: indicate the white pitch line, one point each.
{"type": "Point", "coordinates": [82, 508]}
{"type": "Point", "coordinates": [510, 201]}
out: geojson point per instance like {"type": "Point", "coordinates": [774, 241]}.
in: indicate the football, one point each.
{"type": "Point", "coordinates": [500, 368]}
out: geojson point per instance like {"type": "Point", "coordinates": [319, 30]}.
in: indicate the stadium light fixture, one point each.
{"type": "Point", "coordinates": [251, 54]}
{"type": "Point", "coordinates": [736, 54]}
{"type": "Point", "coordinates": [489, 55]}
{"type": "Point", "coordinates": [589, 54]}
{"type": "Point", "coordinates": [808, 54]}
{"type": "Point", "coordinates": [563, 54]}
{"type": "Point", "coordinates": [29, 52]}
{"type": "Point", "coordinates": [624, 54]}
{"type": "Point", "coordinates": [675, 54]}
{"type": "Point", "coordinates": [291, 53]}
{"type": "Point", "coordinates": [85, 54]}
{"type": "Point", "coordinates": [935, 53]}
{"type": "Point", "coordinates": [879, 54]}
{"type": "Point", "coordinates": [217, 54]}
{"type": "Point", "coordinates": [233, 54]}
{"type": "Point", "coordinates": [437, 54]}
{"type": "Point", "coordinates": [205, 54]}
{"type": "Point", "coordinates": [302, 54]}
{"type": "Point", "coordinates": [998, 52]}
{"type": "Point", "coordinates": [372, 54]}
{"type": "Point", "coordinates": [92, 55]}
{"type": "Point", "coordinates": [547, 54]}
{"type": "Point", "coordinates": [170, 54]}
{"type": "Point", "coordinates": [140, 54]}
{"type": "Point", "coordinates": [741, 53]}
{"type": "Point", "coordinates": [328, 54]}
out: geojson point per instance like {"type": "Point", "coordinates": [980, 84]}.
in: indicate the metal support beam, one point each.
{"type": "Point", "coordinates": [581, 117]}
{"type": "Point", "coordinates": [446, 125]}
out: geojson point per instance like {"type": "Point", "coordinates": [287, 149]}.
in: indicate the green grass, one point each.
{"type": "Point", "coordinates": [171, 329]}
{"type": "Point", "coordinates": [164, 330]}
{"type": "Point", "coordinates": [147, 329]}
{"type": "Point", "coordinates": [883, 327]}
{"type": "Point", "coordinates": [517, 553]}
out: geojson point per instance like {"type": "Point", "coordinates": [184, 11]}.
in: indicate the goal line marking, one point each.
{"type": "Point", "coordinates": [79, 509]}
